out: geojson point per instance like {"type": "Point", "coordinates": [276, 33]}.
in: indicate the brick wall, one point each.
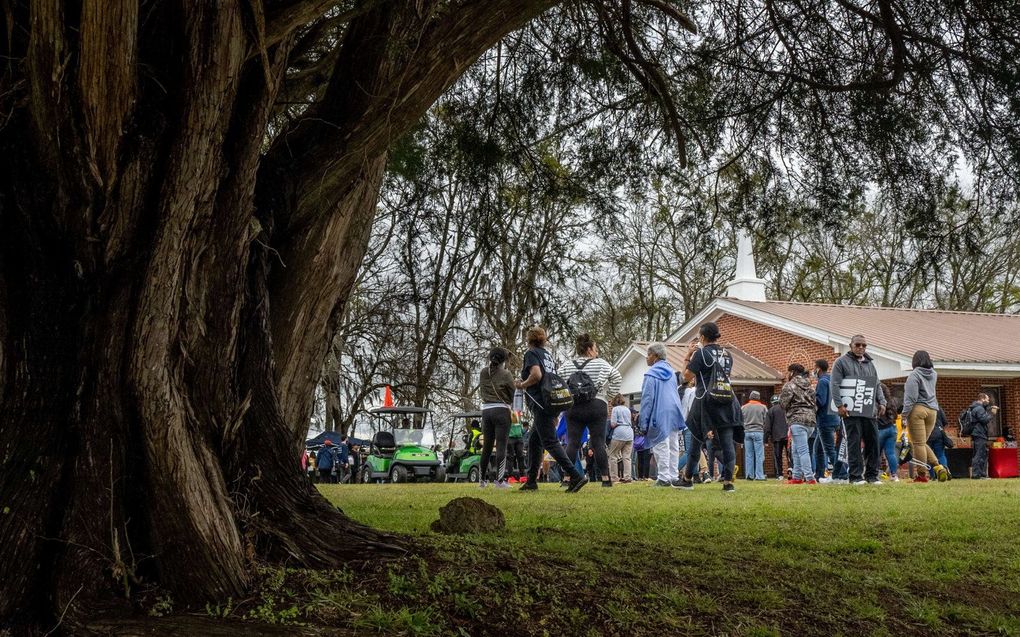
{"type": "Point", "coordinates": [1012, 406]}
{"type": "Point", "coordinates": [955, 394]}
{"type": "Point", "coordinates": [772, 346]}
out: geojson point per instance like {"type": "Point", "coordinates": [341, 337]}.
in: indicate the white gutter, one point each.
{"type": "Point", "coordinates": [979, 368]}
{"type": "Point", "coordinates": [623, 357]}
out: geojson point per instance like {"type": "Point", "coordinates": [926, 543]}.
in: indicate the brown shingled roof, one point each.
{"type": "Point", "coordinates": [747, 370]}
{"type": "Point", "coordinates": [965, 337]}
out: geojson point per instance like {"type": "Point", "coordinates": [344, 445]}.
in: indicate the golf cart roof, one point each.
{"type": "Point", "coordinates": [468, 414]}
{"type": "Point", "coordinates": [400, 410]}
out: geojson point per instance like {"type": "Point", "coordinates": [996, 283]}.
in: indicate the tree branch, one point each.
{"type": "Point", "coordinates": [283, 19]}
{"type": "Point", "coordinates": [379, 88]}
{"type": "Point", "coordinates": [672, 12]}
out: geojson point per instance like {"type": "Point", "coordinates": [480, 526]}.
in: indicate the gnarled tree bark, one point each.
{"type": "Point", "coordinates": [170, 273]}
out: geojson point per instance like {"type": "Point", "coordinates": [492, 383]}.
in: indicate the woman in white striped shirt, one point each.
{"type": "Point", "coordinates": [592, 414]}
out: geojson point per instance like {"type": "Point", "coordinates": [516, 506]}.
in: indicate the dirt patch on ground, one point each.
{"type": "Point", "coordinates": [469, 515]}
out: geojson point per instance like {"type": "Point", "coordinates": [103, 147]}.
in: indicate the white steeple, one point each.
{"type": "Point", "coordinates": [746, 286]}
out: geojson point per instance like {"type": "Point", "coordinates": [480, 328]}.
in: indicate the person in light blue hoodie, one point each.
{"type": "Point", "coordinates": [661, 417]}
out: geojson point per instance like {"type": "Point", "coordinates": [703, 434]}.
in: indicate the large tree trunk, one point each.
{"type": "Point", "coordinates": [168, 285]}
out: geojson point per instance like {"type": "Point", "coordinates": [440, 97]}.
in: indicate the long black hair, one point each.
{"type": "Point", "coordinates": [497, 356]}
{"type": "Point", "coordinates": [921, 359]}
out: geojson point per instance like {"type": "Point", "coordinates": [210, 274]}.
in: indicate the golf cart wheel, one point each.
{"type": "Point", "coordinates": [474, 474]}
{"type": "Point", "coordinates": [398, 474]}
{"type": "Point", "coordinates": [366, 475]}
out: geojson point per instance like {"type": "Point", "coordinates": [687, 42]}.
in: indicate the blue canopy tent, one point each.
{"type": "Point", "coordinates": [334, 437]}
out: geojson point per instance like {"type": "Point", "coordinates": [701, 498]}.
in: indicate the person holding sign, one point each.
{"type": "Point", "coordinates": [859, 401]}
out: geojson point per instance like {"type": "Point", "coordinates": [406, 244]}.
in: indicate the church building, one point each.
{"type": "Point", "coordinates": [972, 352]}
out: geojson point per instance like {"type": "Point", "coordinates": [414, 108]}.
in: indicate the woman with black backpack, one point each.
{"type": "Point", "coordinates": [713, 414]}
{"type": "Point", "coordinates": [592, 380]}
{"type": "Point", "coordinates": [539, 364]}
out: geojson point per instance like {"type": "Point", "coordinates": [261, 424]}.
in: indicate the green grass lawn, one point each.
{"type": "Point", "coordinates": [770, 559]}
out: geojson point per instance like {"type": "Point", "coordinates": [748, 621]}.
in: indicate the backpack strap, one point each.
{"type": "Point", "coordinates": [719, 361]}
{"type": "Point", "coordinates": [701, 376]}
{"type": "Point", "coordinates": [494, 390]}
{"type": "Point", "coordinates": [537, 404]}
{"type": "Point", "coordinates": [598, 388]}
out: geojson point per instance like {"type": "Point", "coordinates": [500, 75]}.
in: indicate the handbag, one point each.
{"type": "Point", "coordinates": [639, 442]}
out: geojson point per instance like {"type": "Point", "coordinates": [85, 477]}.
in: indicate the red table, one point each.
{"type": "Point", "coordinates": [1002, 463]}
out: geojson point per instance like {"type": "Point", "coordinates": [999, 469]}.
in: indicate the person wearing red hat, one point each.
{"type": "Point", "coordinates": [325, 461]}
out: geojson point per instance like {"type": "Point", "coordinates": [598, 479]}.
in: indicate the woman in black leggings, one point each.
{"type": "Point", "coordinates": [516, 465]}
{"type": "Point", "coordinates": [496, 386]}
{"type": "Point", "coordinates": [592, 414]}
{"type": "Point", "coordinates": [538, 361]}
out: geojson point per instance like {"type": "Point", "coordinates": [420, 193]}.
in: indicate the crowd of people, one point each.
{"type": "Point", "coordinates": [568, 423]}
{"type": "Point", "coordinates": [833, 426]}
{"type": "Point", "coordinates": [332, 463]}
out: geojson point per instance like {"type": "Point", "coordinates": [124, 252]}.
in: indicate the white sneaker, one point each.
{"type": "Point", "coordinates": [482, 484]}
{"type": "Point", "coordinates": [501, 484]}
{"type": "Point", "coordinates": [894, 478]}
{"type": "Point", "coordinates": [824, 480]}
{"type": "Point", "coordinates": [840, 481]}
{"type": "Point", "coordinates": [859, 482]}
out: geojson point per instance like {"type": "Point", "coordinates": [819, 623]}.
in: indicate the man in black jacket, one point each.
{"type": "Point", "coordinates": [980, 415]}
{"type": "Point", "coordinates": [777, 431]}
{"type": "Point", "coordinates": [859, 401]}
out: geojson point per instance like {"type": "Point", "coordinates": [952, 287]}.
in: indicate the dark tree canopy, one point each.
{"type": "Point", "coordinates": [187, 190]}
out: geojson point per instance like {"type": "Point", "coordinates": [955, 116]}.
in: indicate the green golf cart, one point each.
{"type": "Point", "coordinates": [463, 463]}
{"type": "Point", "coordinates": [396, 453]}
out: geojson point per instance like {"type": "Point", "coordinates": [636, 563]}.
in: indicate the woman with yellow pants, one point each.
{"type": "Point", "coordinates": [920, 408]}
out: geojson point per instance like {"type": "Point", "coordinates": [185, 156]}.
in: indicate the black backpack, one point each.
{"type": "Point", "coordinates": [966, 422]}
{"type": "Point", "coordinates": [581, 386]}
{"type": "Point", "coordinates": [555, 393]}
{"type": "Point", "coordinates": [718, 388]}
